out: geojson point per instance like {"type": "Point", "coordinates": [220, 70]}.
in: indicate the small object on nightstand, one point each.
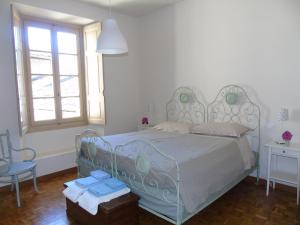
{"type": "Point", "coordinates": [283, 116]}
{"type": "Point", "coordinates": [145, 120]}
{"type": "Point", "coordinates": [289, 151]}
{"type": "Point", "coordinates": [145, 126]}
{"type": "Point", "coordinates": [279, 142]}
{"type": "Point", "coordinates": [287, 137]}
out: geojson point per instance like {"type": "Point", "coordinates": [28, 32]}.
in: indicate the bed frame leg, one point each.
{"type": "Point", "coordinates": [257, 176]}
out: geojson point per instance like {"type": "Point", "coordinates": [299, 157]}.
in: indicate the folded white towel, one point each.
{"type": "Point", "coordinates": [74, 191]}
{"type": "Point", "coordinates": [90, 202]}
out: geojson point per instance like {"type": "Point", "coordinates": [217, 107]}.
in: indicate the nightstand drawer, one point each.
{"type": "Point", "coordinates": [284, 152]}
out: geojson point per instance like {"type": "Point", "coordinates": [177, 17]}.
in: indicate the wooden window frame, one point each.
{"type": "Point", "coordinates": [17, 25]}
{"type": "Point", "coordinates": [98, 96]}
{"type": "Point", "coordinates": [59, 122]}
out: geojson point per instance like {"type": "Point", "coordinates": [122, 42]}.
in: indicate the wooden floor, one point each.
{"type": "Point", "coordinates": [244, 205]}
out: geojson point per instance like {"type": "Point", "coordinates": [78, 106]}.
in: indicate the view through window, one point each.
{"type": "Point", "coordinates": [54, 65]}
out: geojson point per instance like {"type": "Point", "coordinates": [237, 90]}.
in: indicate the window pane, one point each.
{"type": "Point", "coordinates": [39, 39]}
{"type": "Point", "coordinates": [66, 42]}
{"type": "Point", "coordinates": [68, 65]}
{"type": "Point", "coordinates": [44, 109]}
{"type": "Point", "coordinates": [41, 63]}
{"type": "Point", "coordinates": [42, 86]}
{"type": "Point", "coordinates": [70, 107]}
{"type": "Point", "coordinates": [69, 86]}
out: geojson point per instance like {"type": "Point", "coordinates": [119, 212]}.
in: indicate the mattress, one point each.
{"type": "Point", "coordinates": [207, 164]}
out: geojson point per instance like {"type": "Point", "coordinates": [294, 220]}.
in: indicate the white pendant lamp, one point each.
{"type": "Point", "coordinates": [111, 41]}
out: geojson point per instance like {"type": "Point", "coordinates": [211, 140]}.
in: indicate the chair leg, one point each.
{"type": "Point", "coordinates": [16, 179]}
{"type": "Point", "coordinates": [12, 183]}
{"type": "Point", "coordinates": [34, 179]}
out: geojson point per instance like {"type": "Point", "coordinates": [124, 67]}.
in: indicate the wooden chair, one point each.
{"type": "Point", "coordinates": [14, 172]}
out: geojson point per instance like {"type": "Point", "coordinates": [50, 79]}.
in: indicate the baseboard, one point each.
{"type": "Point", "coordinates": [42, 178]}
{"type": "Point", "coordinates": [250, 179]}
{"type": "Point", "coordinates": [55, 162]}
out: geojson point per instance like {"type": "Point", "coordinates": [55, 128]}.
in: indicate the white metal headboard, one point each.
{"type": "Point", "coordinates": [185, 107]}
{"type": "Point", "coordinates": [233, 104]}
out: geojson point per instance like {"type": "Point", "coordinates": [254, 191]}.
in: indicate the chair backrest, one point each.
{"type": "Point", "coordinates": [5, 147]}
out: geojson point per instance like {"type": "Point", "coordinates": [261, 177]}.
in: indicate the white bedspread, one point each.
{"type": "Point", "coordinates": [207, 164]}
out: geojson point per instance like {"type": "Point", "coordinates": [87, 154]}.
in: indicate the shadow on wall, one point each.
{"type": "Point", "coordinates": [158, 70]}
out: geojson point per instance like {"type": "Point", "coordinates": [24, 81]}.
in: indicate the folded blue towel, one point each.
{"type": "Point", "coordinates": [99, 174]}
{"type": "Point", "coordinates": [100, 190]}
{"type": "Point", "coordinates": [106, 187]}
{"type": "Point", "coordinates": [86, 181]}
{"type": "Point", "coordinates": [114, 183]}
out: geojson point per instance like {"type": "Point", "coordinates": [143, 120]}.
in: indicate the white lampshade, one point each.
{"type": "Point", "coordinates": [283, 114]}
{"type": "Point", "coordinates": [111, 40]}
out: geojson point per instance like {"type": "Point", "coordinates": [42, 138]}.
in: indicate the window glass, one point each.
{"type": "Point", "coordinates": [44, 109]}
{"type": "Point", "coordinates": [42, 86]}
{"type": "Point", "coordinates": [68, 64]}
{"type": "Point", "coordinates": [69, 86]}
{"type": "Point", "coordinates": [67, 43]}
{"type": "Point", "coordinates": [39, 39]}
{"type": "Point", "coordinates": [40, 62]}
{"type": "Point", "coordinates": [70, 107]}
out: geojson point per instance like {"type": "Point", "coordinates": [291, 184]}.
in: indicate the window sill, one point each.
{"type": "Point", "coordinates": [39, 128]}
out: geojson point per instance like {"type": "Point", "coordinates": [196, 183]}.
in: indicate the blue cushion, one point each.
{"type": "Point", "coordinates": [20, 167]}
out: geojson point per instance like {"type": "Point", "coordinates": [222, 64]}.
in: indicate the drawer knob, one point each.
{"type": "Point", "coordinates": [283, 151]}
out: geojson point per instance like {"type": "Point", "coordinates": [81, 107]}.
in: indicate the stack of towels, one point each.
{"type": "Point", "coordinates": [91, 191]}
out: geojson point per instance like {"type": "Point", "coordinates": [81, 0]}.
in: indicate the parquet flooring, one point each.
{"type": "Point", "coordinates": [246, 204]}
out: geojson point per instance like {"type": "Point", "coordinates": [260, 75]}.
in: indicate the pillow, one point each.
{"type": "Point", "coordinates": [169, 126]}
{"type": "Point", "coordinates": [220, 129]}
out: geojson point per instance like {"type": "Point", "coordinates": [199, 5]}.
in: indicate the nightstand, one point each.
{"type": "Point", "coordinates": [278, 150]}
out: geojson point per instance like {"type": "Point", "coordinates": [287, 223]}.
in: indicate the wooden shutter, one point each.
{"type": "Point", "coordinates": [20, 71]}
{"type": "Point", "coordinates": [94, 75]}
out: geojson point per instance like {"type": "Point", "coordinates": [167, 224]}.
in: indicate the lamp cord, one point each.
{"type": "Point", "coordinates": [109, 8]}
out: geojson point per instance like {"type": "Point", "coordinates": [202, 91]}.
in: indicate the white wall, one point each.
{"type": "Point", "coordinates": [121, 74]}
{"type": "Point", "coordinates": [207, 44]}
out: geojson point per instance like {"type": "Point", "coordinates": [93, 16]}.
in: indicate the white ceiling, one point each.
{"type": "Point", "coordinates": [132, 7]}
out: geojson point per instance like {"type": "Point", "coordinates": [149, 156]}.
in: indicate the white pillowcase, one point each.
{"type": "Point", "coordinates": [220, 129]}
{"type": "Point", "coordinates": [169, 126]}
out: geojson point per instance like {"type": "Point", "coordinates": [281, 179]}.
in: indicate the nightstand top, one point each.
{"type": "Point", "coordinates": [292, 146]}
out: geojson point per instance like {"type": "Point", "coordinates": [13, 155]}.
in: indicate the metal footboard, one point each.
{"type": "Point", "coordinates": [145, 168]}
{"type": "Point", "coordinates": [87, 156]}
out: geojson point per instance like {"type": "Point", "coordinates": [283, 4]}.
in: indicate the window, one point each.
{"type": "Point", "coordinates": [53, 57]}
{"type": "Point", "coordinates": [56, 90]}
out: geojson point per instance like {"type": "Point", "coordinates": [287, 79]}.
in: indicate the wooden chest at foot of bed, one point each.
{"type": "Point", "coordinates": [119, 211]}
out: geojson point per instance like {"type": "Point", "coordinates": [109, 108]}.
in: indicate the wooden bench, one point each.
{"type": "Point", "coordinates": [119, 211]}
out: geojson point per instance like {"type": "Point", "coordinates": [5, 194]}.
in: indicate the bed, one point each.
{"type": "Point", "coordinates": [178, 174]}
